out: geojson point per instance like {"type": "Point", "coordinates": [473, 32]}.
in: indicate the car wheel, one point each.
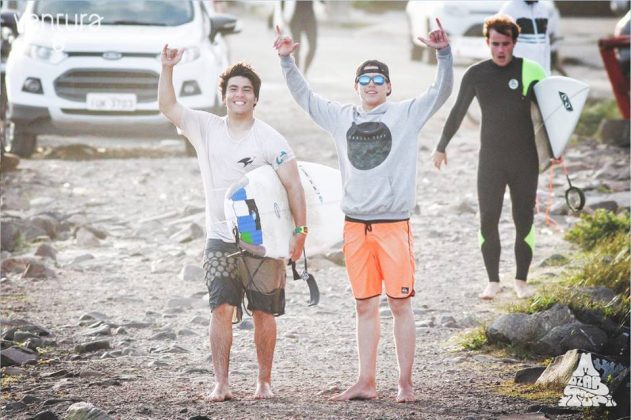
{"type": "Point", "coordinates": [21, 143]}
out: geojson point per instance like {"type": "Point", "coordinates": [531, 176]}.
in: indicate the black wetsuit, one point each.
{"type": "Point", "coordinates": [508, 155]}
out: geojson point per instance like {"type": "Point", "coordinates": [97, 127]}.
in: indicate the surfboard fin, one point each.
{"type": "Point", "coordinates": [314, 291]}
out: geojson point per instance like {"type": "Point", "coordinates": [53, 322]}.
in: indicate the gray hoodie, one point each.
{"type": "Point", "coordinates": [377, 150]}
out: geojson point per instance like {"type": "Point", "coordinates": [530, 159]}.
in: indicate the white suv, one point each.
{"type": "Point", "coordinates": [91, 67]}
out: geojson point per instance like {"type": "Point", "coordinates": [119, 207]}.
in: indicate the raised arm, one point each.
{"type": "Point", "coordinates": [323, 112]}
{"type": "Point", "coordinates": [290, 178]}
{"type": "Point", "coordinates": [465, 96]}
{"type": "Point", "coordinates": [167, 100]}
{"type": "Point", "coordinates": [427, 103]}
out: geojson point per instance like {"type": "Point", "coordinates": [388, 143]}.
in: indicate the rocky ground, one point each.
{"type": "Point", "coordinates": [122, 309]}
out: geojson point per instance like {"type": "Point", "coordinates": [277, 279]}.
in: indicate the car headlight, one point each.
{"type": "Point", "coordinates": [190, 54]}
{"type": "Point", "coordinates": [47, 54]}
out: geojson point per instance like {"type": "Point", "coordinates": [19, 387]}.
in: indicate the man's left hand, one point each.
{"type": "Point", "coordinates": [296, 245]}
{"type": "Point", "coordinates": [437, 38]}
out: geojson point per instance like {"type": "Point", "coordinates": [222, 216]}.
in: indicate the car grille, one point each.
{"type": "Point", "coordinates": [75, 84]}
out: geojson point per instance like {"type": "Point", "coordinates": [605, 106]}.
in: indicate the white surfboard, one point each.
{"type": "Point", "coordinates": [560, 101]}
{"type": "Point", "coordinates": [257, 206]}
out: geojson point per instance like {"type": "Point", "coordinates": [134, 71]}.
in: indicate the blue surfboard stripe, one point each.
{"type": "Point", "coordinates": [239, 195]}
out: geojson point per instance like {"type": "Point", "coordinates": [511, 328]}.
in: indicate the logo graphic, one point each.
{"type": "Point", "coordinates": [246, 161]}
{"type": "Point", "coordinates": [566, 101]}
{"type": "Point", "coordinates": [280, 159]}
{"type": "Point", "coordinates": [112, 55]}
{"type": "Point", "coordinates": [513, 84]}
{"type": "Point", "coordinates": [277, 210]}
{"type": "Point", "coordinates": [585, 388]}
{"type": "Point", "coordinates": [405, 290]}
{"type": "Point", "coordinates": [369, 144]}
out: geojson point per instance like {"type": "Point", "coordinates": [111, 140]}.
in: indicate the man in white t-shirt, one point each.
{"type": "Point", "coordinates": [227, 148]}
{"type": "Point", "coordinates": [539, 24]}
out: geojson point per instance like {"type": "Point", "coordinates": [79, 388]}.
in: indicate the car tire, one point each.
{"type": "Point", "coordinates": [22, 144]}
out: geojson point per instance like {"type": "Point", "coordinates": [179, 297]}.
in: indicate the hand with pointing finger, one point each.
{"type": "Point", "coordinates": [285, 45]}
{"type": "Point", "coordinates": [170, 56]}
{"type": "Point", "coordinates": [437, 38]}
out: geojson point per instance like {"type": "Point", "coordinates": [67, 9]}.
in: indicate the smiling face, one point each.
{"type": "Point", "coordinates": [240, 98]}
{"type": "Point", "coordinates": [501, 47]}
{"type": "Point", "coordinates": [373, 95]}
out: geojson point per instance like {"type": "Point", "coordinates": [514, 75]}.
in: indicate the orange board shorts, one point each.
{"type": "Point", "coordinates": [376, 252]}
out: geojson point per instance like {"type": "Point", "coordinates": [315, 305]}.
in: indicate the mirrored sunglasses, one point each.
{"type": "Point", "coordinates": [377, 79]}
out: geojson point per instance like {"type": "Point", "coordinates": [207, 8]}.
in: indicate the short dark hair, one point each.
{"type": "Point", "coordinates": [239, 69]}
{"type": "Point", "coordinates": [502, 24]}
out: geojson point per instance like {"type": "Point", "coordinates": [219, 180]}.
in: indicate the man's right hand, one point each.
{"type": "Point", "coordinates": [438, 158]}
{"type": "Point", "coordinates": [171, 56]}
{"type": "Point", "coordinates": [284, 44]}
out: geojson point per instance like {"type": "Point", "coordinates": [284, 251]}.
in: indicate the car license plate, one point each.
{"type": "Point", "coordinates": [111, 101]}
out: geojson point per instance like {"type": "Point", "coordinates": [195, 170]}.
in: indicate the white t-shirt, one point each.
{"type": "Point", "coordinates": [538, 21]}
{"type": "Point", "coordinates": [223, 160]}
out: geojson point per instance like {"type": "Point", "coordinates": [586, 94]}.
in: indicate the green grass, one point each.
{"type": "Point", "coordinates": [595, 228]}
{"type": "Point", "coordinates": [474, 339]}
{"type": "Point", "coordinates": [593, 113]}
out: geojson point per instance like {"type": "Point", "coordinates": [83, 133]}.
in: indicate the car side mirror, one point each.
{"type": "Point", "coordinates": [223, 24]}
{"type": "Point", "coordinates": [9, 19]}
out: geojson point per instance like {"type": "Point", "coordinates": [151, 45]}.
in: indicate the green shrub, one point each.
{"type": "Point", "coordinates": [593, 113]}
{"type": "Point", "coordinates": [598, 227]}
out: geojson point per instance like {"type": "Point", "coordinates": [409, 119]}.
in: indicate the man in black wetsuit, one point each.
{"type": "Point", "coordinates": [508, 156]}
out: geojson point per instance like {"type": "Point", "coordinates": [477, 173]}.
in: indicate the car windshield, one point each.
{"type": "Point", "coordinates": [153, 12]}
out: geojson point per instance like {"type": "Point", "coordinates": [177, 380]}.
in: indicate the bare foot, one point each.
{"type": "Point", "coordinates": [523, 290]}
{"type": "Point", "coordinates": [220, 393]}
{"type": "Point", "coordinates": [406, 394]}
{"type": "Point", "coordinates": [263, 391]}
{"type": "Point", "coordinates": [359, 391]}
{"type": "Point", "coordinates": [491, 291]}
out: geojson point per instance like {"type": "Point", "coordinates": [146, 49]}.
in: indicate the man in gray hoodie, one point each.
{"type": "Point", "coordinates": [377, 151]}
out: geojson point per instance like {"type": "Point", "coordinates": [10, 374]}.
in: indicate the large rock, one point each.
{"type": "Point", "coordinates": [47, 223]}
{"type": "Point", "coordinates": [560, 371]}
{"type": "Point", "coordinates": [17, 356]}
{"type": "Point", "coordinates": [511, 328]}
{"type": "Point", "coordinates": [15, 325]}
{"type": "Point", "coordinates": [92, 346]}
{"type": "Point", "coordinates": [615, 132]}
{"type": "Point", "coordinates": [85, 237]}
{"type": "Point", "coordinates": [571, 336]}
{"type": "Point", "coordinates": [524, 329]}
{"type": "Point", "coordinates": [10, 235]}
{"type": "Point", "coordinates": [30, 267]}
{"type": "Point", "coordinates": [85, 411]}
{"type": "Point", "coordinates": [46, 251]}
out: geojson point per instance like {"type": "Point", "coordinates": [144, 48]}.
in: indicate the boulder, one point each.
{"type": "Point", "coordinates": [575, 335]}
{"type": "Point", "coordinates": [85, 411]}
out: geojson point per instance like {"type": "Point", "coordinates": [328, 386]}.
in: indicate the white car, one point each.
{"type": "Point", "coordinates": [92, 67]}
{"type": "Point", "coordinates": [462, 20]}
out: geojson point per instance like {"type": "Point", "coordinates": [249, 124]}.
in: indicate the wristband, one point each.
{"type": "Point", "coordinates": [301, 229]}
